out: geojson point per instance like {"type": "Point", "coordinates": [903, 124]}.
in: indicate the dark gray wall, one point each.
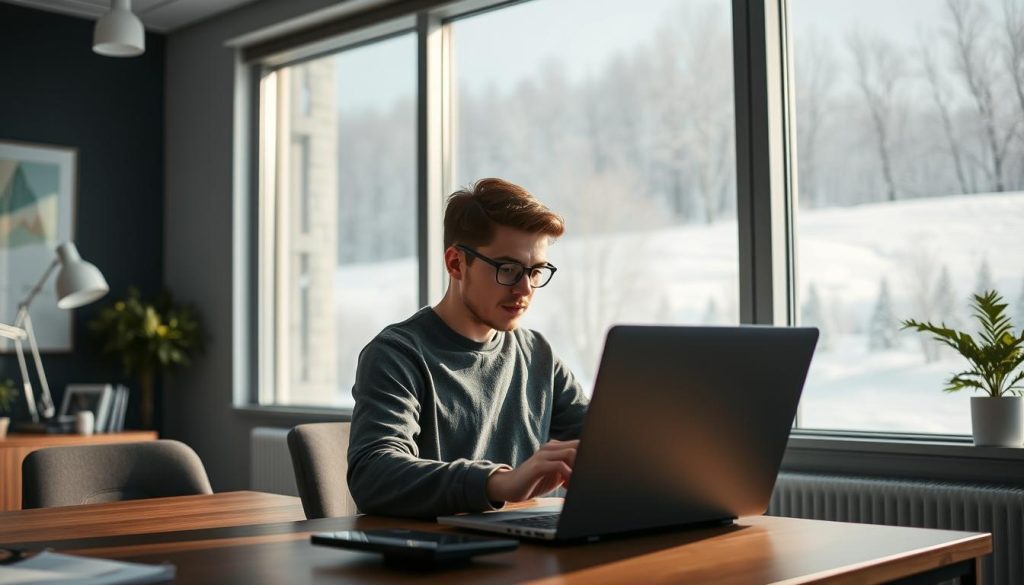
{"type": "Point", "coordinates": [199, 241]}
{"type": "Point", "coordinates": [55, 90]}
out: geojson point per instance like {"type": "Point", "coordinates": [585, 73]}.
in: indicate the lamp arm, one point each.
{"type": "Point", "coordinates": [38, 287]}
{"type": "Point", "coordinates": [26, 383]}
{"type": "Point", "coordinates": [45, 400]}
{"type": "Point", "coordinates": [12, 333]}
{"type": "Point", "coordinates": [17, 334]}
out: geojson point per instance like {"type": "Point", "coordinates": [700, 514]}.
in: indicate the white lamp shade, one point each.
{"type": "Point", "coordinates": [119, 33]}
{"type": "Point", "coordinates": [79, 282]}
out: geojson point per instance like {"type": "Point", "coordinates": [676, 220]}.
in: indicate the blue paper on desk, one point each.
{"type": "Point", "coordinates": [57, 569]}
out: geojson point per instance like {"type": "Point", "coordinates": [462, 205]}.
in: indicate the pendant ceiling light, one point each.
{"type": "Point", "coordinates": [119, 33]}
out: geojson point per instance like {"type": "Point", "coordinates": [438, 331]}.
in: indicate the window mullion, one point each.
{"type": "Point", "coordinates": [763, 186]}
{"type": "Point", "coordinates": [266, 298]}
{"type": "Point", "coordinates": [429, 153]}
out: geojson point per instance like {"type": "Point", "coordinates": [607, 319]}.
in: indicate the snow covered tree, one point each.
{"type": "Point", "coordinates": [1019, 313]}
{"type": "Point", "coordinates": [880, 76]}
{"type": "Point", "coordinates": [711, 316]}
{"type": "Point", "coordinates": [977, 63]}
{"type": "Point", "coordinates": [945, 299]}
{"type": "Point", "coordinates": [812, 314]}
{"type": "Point", "coordinates": [817, 65]}
{"type": "Point", "coordinates": [882, 327]}
{"type": "Point", "coordinates": [984, 281]}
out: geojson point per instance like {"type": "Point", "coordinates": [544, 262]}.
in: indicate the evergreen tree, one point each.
{"type": "Point", "coordinates": [1019, 314]}
{"type": "Point", "coordinates": [812, 315]}
{"type": "Point", "coordinates": [882, 328]}
{"type": "Point", "coordinates": [711, 313]}
{"type": "Point", "coordinates": [945, 299]}
{"type": "Point", "coordinates": [984, 282]}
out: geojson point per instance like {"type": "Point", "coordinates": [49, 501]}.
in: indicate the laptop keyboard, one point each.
{"type": "Point", "coordinates": [547, 521]}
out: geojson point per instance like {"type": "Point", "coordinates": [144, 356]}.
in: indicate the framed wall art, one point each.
{"type": "Point", "coordinates": [37, 212]}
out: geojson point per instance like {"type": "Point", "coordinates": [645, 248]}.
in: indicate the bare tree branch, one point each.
{"type": "Point", "coordinates": [1013, 25]}
{"type": "Point", "coordinates": [974, 62]}
{"type": "Point", "coordinates": [815, 77]}
{"type": "Point", "coordinates": [941, 99]}
{"type": "Point", "coordinates": [879, 71]}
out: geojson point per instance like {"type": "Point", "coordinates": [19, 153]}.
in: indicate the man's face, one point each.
{"type": "Point", "coordinates": [495, 305]}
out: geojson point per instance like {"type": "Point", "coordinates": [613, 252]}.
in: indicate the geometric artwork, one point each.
{"type": "Point", "coordinates": [37, 210]}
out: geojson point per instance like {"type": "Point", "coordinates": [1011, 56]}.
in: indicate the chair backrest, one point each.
{"type": "Point", "coordinates": [320, 459]}
{"type": "Point", "coordinates": [89, 474]}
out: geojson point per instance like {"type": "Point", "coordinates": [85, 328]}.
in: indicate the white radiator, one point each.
{"type": "Point", "coordinates": [270, 463]}
{"type": "Point", "coordinates": [920, 503]}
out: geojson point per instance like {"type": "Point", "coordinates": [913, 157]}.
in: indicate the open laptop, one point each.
{"type": "Point", "coordinates": [687, 425]}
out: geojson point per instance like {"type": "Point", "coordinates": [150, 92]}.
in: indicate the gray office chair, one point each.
{"type": "Point", "coordinates": [90, 474]}
{"type": "Point", "coordinates": [320, 459]}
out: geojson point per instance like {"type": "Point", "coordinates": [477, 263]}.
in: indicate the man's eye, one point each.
{"type": "Point", "coordinates": [509, 269]}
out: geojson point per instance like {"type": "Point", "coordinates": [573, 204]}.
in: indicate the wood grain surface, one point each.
{"type": "Point", "coordinates": [248, 537]}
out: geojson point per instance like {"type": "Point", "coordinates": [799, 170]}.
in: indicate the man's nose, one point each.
{"type": "Point", "coordinates": [522, 288]}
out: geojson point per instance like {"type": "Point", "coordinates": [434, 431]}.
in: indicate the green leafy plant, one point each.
{"type": "Point", "coordinates": [148, 337]}
{"type": "Point", "coordinates": [993, 359]}
{"type": "Point", "coordinates": [8, 395]}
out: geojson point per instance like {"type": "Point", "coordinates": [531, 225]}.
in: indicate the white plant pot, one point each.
{"type": "Point", "coordinates": [997, 422]}
{"type": "Point", "coordinates": [5, 421]}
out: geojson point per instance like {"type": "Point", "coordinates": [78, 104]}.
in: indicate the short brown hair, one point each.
{"type": "Point", "coordinates": [472, 214]}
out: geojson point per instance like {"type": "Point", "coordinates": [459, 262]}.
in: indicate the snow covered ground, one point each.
{"type": "Point", "coordinates": [688, 274]}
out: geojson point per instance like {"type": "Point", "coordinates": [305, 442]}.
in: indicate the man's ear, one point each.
{"type": "Point", "coordinates": [453, 263]}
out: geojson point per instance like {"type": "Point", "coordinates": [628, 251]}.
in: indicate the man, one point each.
{"type": "Point", "coordinates": [457, 408]}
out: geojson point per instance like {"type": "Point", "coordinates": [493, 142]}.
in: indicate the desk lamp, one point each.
{"type": "Point", "coordinates": [78, 283]}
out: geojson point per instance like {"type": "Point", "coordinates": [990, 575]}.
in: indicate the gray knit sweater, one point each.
{"type": "Point", "coordinates": [436, 414]}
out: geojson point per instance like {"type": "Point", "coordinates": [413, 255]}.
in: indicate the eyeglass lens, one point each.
{"type": "Point", "coordinates": [509, 274]}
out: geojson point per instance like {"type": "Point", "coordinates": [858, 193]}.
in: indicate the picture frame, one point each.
{"type": "Point", "coordinates": [38, 185]}
{"type": "Point", "coordinates": [95, 397]}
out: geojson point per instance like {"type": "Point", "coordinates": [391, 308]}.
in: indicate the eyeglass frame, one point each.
{"type": "Point", "coordinates": [497, 267]}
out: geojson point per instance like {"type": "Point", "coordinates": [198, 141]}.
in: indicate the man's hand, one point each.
{"type": "Point", "coordinates": [548, 468]}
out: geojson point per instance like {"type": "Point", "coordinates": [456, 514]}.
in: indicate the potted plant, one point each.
{"type": "Point", "coordinates": [997, 418]}
{"type": "Point", "coordinates": [148, 338]}
{"type": "Point", "coordinates": [8, 394]}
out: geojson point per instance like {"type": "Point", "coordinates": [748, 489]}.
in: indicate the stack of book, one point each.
{"type": "Point", "coordinates": [118, 408]}
{"type": "Point", "coordinates": [108, 403]}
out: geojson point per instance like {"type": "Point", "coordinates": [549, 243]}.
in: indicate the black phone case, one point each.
{"type": "Point", "coordinates": [419, 551]}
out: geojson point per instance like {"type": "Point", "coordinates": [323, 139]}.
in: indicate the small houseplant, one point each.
{"type": "Point", "coordinates": [997, 418]}
{"type": "Point", "coordinates": [8, 395]}
{"type": "Point", "coordinates": [148, 338]}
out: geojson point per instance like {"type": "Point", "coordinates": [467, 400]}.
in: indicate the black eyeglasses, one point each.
{"type": "Point", "coordinates": [509, 273]}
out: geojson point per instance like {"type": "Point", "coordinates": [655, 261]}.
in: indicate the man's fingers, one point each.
{"type": "Point", "coordinates": [567, 455]}
{"type": "Point", "coordinates": [545, 476]}
{"type": "Point", "coordinates": [556, 444]}
{"type": "Point", "coordinates": [556, 466]}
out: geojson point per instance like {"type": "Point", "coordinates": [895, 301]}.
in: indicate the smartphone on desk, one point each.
{"type": "Point", "coordinates": [415, 545]}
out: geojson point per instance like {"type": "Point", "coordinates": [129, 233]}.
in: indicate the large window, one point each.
{"type": "Point", "coordinates": [911, 160]}
{"type": "Point", "coordinates": [342, 261]}
{"type": "Point", "coordinates": [678, 192]}
{"type": "Point", "coordinates": [623, 124]}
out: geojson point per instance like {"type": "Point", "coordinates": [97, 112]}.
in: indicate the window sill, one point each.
{"type": "Point", "coordinates": [292, 415]}
{"type": "Point", "coordinates": [949, 458]}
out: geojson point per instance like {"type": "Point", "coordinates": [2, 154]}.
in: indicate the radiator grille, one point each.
{"type": "Point", "coordinates": [918, 503]}
{"type": "Point", "coordinates": [270, 468]}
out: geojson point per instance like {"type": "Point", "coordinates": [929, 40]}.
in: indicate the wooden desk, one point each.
{"type": "Point", "coordinates": [16, 446]}
{"type": "Point", "coordinates": [248, 537]}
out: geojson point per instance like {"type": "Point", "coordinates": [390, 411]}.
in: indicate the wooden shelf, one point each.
{"type": "Point", "coordinates": [16, 446]}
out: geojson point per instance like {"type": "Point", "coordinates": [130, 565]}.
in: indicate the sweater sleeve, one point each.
{"type": "Point", "coordinates": [570, 404]}
{"type": "Point", "coordinates": [385, 474]}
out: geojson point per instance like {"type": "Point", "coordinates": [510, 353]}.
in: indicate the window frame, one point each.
{"type": "Point", "coordinates": [766, 202]}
